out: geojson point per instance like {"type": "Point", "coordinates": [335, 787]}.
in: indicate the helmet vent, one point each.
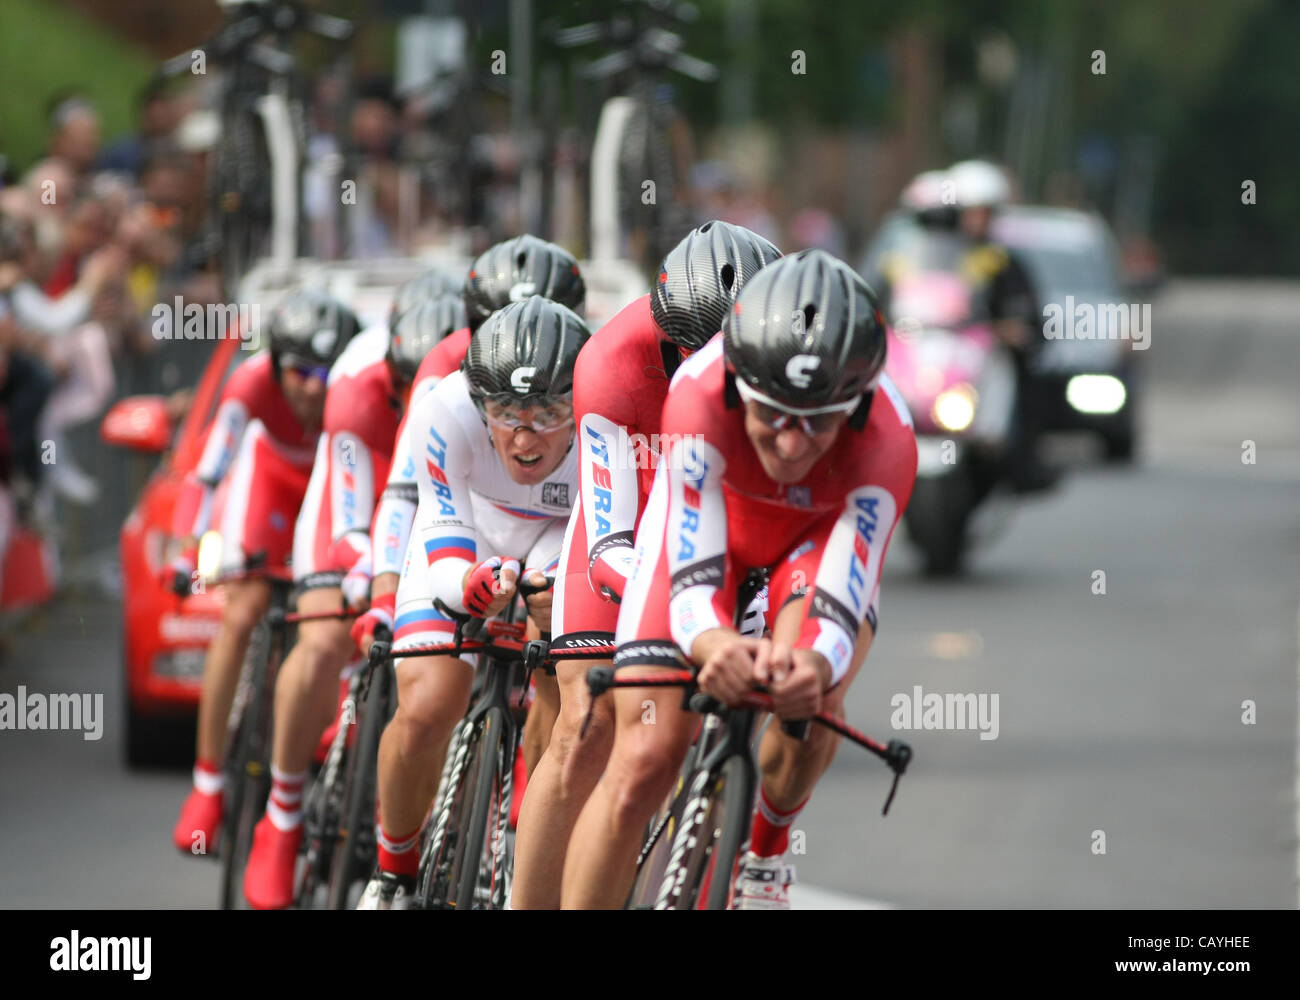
{"type": "Point", "coordinates": [809, 314]}
{"type": "Point", "coordinates": [728, 276]}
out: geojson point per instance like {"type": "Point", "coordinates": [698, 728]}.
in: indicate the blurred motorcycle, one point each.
{"type": "Point", "coordinates": [959, 382]}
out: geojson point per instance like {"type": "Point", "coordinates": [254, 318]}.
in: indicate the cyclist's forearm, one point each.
{"type": "Point", "coordinates": [708, 642]}
{"type": "Point", "coordinates": [384, 583]}
{"type": "Point", "coordinates": [391, 531]}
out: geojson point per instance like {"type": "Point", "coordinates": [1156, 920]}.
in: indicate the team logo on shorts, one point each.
{"type": "Point", "coordinates": [555, 494]}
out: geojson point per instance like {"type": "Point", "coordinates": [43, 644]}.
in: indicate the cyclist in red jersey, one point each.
{"type": "Point", "coordinates": [368, 390]}
{"type": "Point", "coordinates": [787, 449]}
{"type": "Point", "coordinates": [260, 448]}
{"type": "Point", "coordinates": [620, 383]}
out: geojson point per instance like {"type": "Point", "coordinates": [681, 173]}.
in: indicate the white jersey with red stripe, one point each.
{"type": "Point", "coordinates": [469, 506]}
{"type": "Point", "coordinates": [714, 513]}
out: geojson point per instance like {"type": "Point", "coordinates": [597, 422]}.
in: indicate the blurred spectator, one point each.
{"type": "Point", "coordinates": [157, 114]}
{"type": "Point", "coordinates": [374, 137]}
{"type": "Point", "coordinates": [58, 370]}
{"type": "Point", "coordinates": [74, 132]}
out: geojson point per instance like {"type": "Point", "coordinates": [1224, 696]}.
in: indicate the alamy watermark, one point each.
{"type": "Point", "coordinates": [82, 713]}
{"type": "Point", "coordinates": [931, 710]}
{"type": "Point", "coordinates": [181, 320]}
{"type": "Point", "coordinates": [1089, 321]}
{"type": "Point", "coordinates": [75, 953]}
{"type": "Point", "coordinates": [644, 451]}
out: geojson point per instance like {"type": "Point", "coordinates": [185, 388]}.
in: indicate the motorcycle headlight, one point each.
{"type": "Point", "coordinates": [954, 408]}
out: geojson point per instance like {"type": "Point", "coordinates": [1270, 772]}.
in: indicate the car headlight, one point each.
{"type": "Point", "coordinates": [209, 555]}
{"type": "Point", "coordinates": [1096, 394]}
{"type": "Point", "coordinates": [954, 408]}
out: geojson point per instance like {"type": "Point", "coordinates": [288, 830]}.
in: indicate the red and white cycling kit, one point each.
{"type": "Point", "coordinates": [396, 511]}
{"type": "Point", "coordinates": [713, 514]}
{"type": "Point", "coordinates": [264, 455]}
{"type": "Point", "coordinates": [619, 386]}
{"type": "Point", "coordinates": [469, 510]}
{"type": "Point", "coordinates": [362, 411]}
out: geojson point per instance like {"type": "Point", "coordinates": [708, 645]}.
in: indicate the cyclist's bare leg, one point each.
{"type": "Point", "coordinates": [649, 746]}
{"type": "Point", "coordinates": [791, 768]}
{"type": "Point", "coordinates": [246, 604]}
{"type": "Point", "coordinates": [540, 720]}
{"type": "Point", "coordinates": [559, 787]}
{"type": "Point", "coordinates": [307, 689]}
{"type": "Point", "coordinates": [432, 696]}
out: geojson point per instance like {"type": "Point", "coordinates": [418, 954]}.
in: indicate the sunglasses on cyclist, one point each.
{"type": "Point", "coordinates": [814, 421]}
{"type": "Point", "coordinates": [306, 369]}
{"type": "Point", "coordinates": [548, 415]}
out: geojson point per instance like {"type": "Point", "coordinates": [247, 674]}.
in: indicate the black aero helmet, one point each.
{"type": "Point", "coordinates": [421, 328]}
{"type": "Point", "coordinates": [524, 352]}
{"type": "Point", "coordinates": [806, 332]}
{"type": "Point", "coordinates": [433, 282]}
{"type": "Point", "coordinates": [701, 277]}
{"type": "Point", "coordinates": [517, 268]}
{"type": "Point", "coordinates": [311, 325]}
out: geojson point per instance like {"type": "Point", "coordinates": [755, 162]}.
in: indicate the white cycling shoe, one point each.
{"type": "Point", "coordinates": [764, 883]}
{"type": "Point", "coordinates": [386, 891]}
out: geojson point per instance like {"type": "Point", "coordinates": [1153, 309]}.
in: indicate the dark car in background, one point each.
{"type": "Point", "coordinates": [1088, 361]}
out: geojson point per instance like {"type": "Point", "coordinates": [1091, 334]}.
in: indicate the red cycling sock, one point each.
{"type": "Point", "coordinates": [399, 855]}
{"type": "Point", "coordinates": [771, 834]}
{"type": "Point", "coordinates": [208, 777]}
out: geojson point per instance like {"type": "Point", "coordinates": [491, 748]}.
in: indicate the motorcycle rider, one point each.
{"type": "Point", "coordinates": [955, 209]}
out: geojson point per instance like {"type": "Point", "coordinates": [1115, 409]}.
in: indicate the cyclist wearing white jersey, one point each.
{"type": "Point", "coordinates": [488, 502]}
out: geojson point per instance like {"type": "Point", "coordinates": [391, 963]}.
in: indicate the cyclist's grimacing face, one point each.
{"type": "Point", "coordinates": [788, 454]}
{"type": "Point", "coordinates": [532, 442]}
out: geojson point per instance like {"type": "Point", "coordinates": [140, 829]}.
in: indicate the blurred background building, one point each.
{"type": "Point", "coordinates": [822, 112]}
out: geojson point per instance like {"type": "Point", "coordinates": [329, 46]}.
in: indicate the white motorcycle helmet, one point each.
{"type": "Point", "coordinates": [979, 184]}
{"type": "Point", "coordinates": [925, 192]}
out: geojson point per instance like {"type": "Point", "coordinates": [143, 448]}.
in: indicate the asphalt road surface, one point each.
{"type": "Point", "coordinates": [1122, 773]}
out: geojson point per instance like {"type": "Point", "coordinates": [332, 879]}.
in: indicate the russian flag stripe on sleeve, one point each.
{"type": "Point", "coordinates": [449, 548]}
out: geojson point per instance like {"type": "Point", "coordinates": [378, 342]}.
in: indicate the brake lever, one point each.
{"type": "Point", "coordinates": [599, 680]}
{"type": "Point", "coordinates": [380, 648]}
{"type": "Point", "coordinates": [535, 652]}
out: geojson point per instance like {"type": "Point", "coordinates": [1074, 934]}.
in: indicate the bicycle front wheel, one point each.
{"type": "Point", "coordinates": [248, 768]}
{"type": "Point", "coordinates": [354, 846]}
{"type": "Point", "coordinates": [484, 865]}
{"type": "Point", "coordinates": [707, 845]}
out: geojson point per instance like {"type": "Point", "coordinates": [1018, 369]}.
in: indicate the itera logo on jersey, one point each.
{"type": "Point", "coordinates": [695, 468]}
{"type": "Point", "coordinates": [602, 486]}
{"type": "Point", "coordinates": [863, 535]}
{"type": "Point", "coordinates": [522, 378]}
{"type": "Point", "coordinates": [799, 369]}
{"type": "Point", "coordinates": [435, 463]}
